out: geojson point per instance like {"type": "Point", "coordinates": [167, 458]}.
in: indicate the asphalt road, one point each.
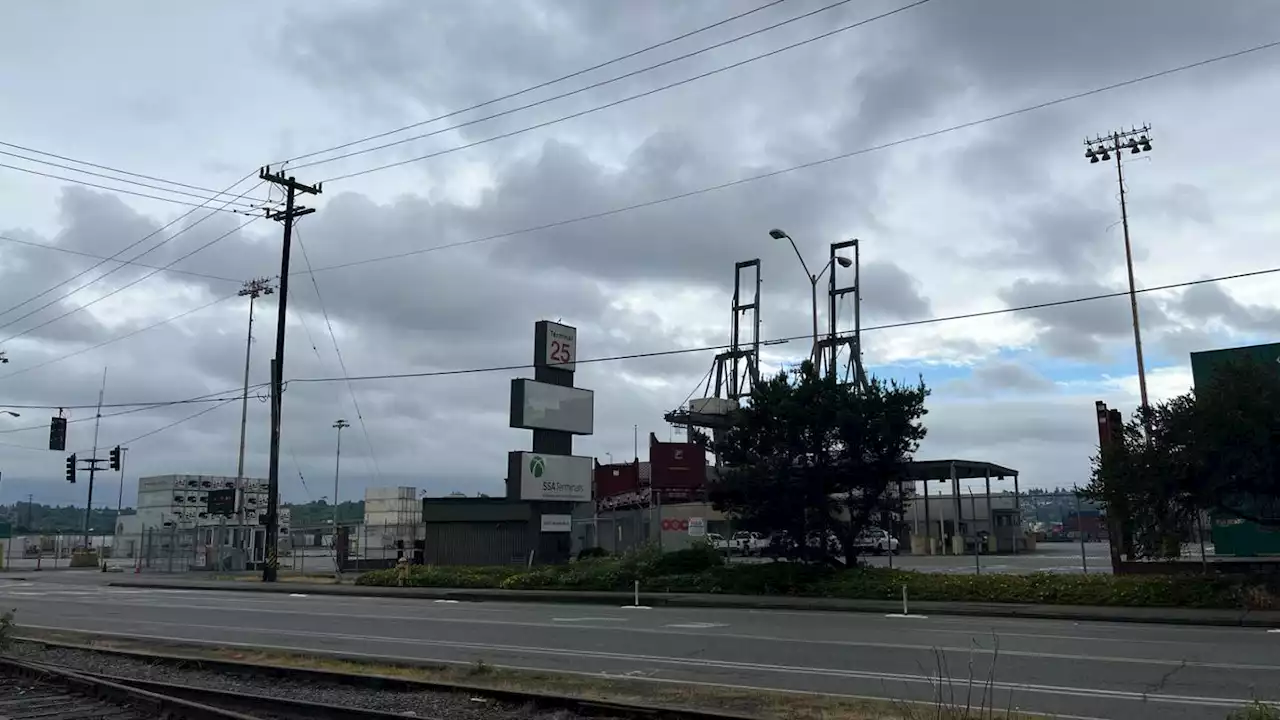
{"type": "Point", "coordinates": [1097, 670]}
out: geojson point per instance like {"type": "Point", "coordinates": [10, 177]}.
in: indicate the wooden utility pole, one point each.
{"type": "Point", "coordinates": [253, 290]}
{"type": "Point", "coordinates": [291, 211]}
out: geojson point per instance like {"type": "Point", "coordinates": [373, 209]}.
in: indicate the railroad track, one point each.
{"type": "Point", "coordinates": [30, 691]}
{"type": "Point", "coordinates": [249, 706]}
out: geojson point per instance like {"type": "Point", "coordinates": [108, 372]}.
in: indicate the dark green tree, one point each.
{"type": "Point", "coordinates": [1215, 449]}
{"type": "Point", "coordinates": [814, 458]}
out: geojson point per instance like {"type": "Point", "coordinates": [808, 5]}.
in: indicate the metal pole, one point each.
{"type": "Point", "coordinates": [813, 284]}
{"type": "Point", "coordinates": [1128, 259]}
{"type": "Point", "coordinates": [337, 460]}
{"type": "Point", "coordinates": [1084, 561]}
{"type": "Point", "coordinates": [93, 459]}
{"type": "Point", "coordinates": [244, 402]}
{"type": "Point", "coordinates": [857, 315]}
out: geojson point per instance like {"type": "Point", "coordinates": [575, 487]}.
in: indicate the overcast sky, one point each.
{"type": "Point", "coordinates": [995, 215]}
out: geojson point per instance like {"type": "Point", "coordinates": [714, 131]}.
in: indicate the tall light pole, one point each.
{"type": "Point", "coordinates": [777, 234]}
{"type": "Point", "coordinates": [252, 289]}
{"type": "Point", "coordinates": [1100, 149]}
{"type": "Point", "coordinates": [337, 460]}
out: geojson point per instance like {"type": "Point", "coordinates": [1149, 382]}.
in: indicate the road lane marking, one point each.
{"type": "Point", "coordinates": [701, 662]}
{"type": "Point", "coordinates": [971, 648]}
{"type": "Point", "coordinates": [696, 625]}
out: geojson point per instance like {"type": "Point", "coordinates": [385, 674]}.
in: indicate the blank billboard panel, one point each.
{"type": "Point", "coordinates": [542, 406]}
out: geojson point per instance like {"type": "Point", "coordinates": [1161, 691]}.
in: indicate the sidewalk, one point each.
{"type": "Point", "coordinates": [1175, 616]}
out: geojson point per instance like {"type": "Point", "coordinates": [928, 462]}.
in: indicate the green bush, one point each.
{"type": "Point", "coordinates": [592, 552]}
{"type": "Point", "coordinates": [698, 571]}
{"type": "Point", "coordinates": [699, 558]}
{"type": "Point", "coordinates": [1256, 711]}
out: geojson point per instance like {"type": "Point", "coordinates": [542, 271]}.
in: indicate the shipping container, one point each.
{"type": "Point", "coordinates": [616, 479]}
{"type": "Point", "coordinates": [676, 465]}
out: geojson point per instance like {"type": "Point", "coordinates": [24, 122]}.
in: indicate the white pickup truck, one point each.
{"type": "Point", "coordinates": [749, 543]}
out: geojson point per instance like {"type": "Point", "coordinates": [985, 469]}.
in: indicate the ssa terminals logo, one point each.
{"type": "Point", "coordinates": [537, 466]}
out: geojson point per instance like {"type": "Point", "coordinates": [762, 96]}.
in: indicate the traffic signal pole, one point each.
{"type": "Point", "coordinates": [93, 461]}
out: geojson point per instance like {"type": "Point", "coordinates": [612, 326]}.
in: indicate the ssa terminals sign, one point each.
{"type": "Point", "coordinates": [554, 477]}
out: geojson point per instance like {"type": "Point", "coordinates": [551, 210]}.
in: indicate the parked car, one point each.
{"type": "Point", "coordinates": [877, 541]}
{"type": "Point", "coordinates": [749, 543]}
{"type": "Point", "coordinates": [718, 542]}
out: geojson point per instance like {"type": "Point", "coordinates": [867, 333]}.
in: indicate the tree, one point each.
{"type": "Point", "coordinates": [808, 456]}
{"type": "Point", "coordinates": [1215, 449]}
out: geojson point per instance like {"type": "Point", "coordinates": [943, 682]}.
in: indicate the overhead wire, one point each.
{"type": "Point", "coordinates": [608, 81]}
{"type": "Point", "coordinates": [118, 338]}
{"type": "Point", "coordinates": [177, 422]}
{"type": "Point", "coordinates": [206, 191]}
{"type": "Point", "coordinates": [681, 351]}
{"type": "Point", "coordinates": [806, 337]}
{"type": "Point", "coordinates": [802, 166]}
{"type": "Point", "coordinates": [538, 86]}
{"type": "Point", "coordinates": [615, 103]}
{"type": "Point", "coordinates": [224, 395]}
{"type": "Point", "coordinates": [355, 403]}
{"type": "Point", "coordinates": [244, 205]}
{"type": "Point", "coordinates": [81, 253]}
{"type": "Point", "coordinates": [123, 250]}
{"type": "Point", "coordinates": [119, 190]}
{"type": "Point", "coordinates": [118, 290]}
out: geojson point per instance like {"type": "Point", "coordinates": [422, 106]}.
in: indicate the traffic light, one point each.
{"type": "Point", "coordinates": [71, 468]}
{"type": "Point", "coordinates": [115, 458]}
{"type": "Point", "coordinates": [58, 434]}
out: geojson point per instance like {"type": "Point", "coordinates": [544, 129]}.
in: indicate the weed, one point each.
{"type": "Point", "coordinates": [6, 629]}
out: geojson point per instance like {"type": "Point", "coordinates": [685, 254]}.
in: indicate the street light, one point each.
{"type": "Point", "coordinates": [1100, 149]}
{"type": "Point", "coordinates": [10, 413]}
{"type": "Point", "coordinates": [777, 234]}
{"type": "Point", "coordinates": [337, 459]}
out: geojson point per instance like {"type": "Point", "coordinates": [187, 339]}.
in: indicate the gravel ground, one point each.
{"type": "Point", "coordinates": [426, 705]}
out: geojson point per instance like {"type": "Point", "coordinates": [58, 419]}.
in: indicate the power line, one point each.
{"type": "Point", "coordinates": [117, 339]}
{"type": "Point", "coordinates": [178, 422]}
{"type": "Point", "coordinates": [807, 338]}
{"type": "Point", "coordinates": [69, 251]}
{"type": "Point", "coordinates": [802, 166]}
{"type": "Point", "coordinates": [624, 76]}
{"type": "Point", "coordinates": [228, 395]}
{"type": "Point", "coordinates": [125, 249]}
{"type": "Point", "coordinates": [206, 191]}
{"type": "Point", "coordinates": [120, 289]}
{"type": "Point", "coordinates": [539, 86]}
{"type": "Point", "coordinates": [615, 103]}
{"type": "Point", "coordinates": [342, 365]}
{"type": "Point", "coordinates": [114, 189]}
{"type": "Point", "coordinates": [246, 206]}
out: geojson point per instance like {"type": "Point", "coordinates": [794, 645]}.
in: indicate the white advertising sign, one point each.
{"type": "Point", "coordinates": [555, 477]}
{"type": "Point", "coordinates": [553, 407]}
{"type": "Point", "coordinates": [562, 346]}
{"type": "Point", "coordinates": [557, 523]}
{"type": "Point", "coordinates": [697, 527]}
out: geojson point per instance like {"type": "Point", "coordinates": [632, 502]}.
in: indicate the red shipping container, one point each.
{"type": "Point", "coordinates": [676, 465]}
{"type": "Point", "coordinates": [616, 479]}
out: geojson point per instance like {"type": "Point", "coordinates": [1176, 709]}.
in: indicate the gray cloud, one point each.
{"type": "Point", "coordinates": [656, 278]}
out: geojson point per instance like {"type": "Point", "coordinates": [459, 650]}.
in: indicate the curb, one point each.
{"type": "Point", "coordinates": [1160, 616]}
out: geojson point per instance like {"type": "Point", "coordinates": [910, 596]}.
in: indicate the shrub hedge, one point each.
{"type": "Point", "coordinates": [699, 572]}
